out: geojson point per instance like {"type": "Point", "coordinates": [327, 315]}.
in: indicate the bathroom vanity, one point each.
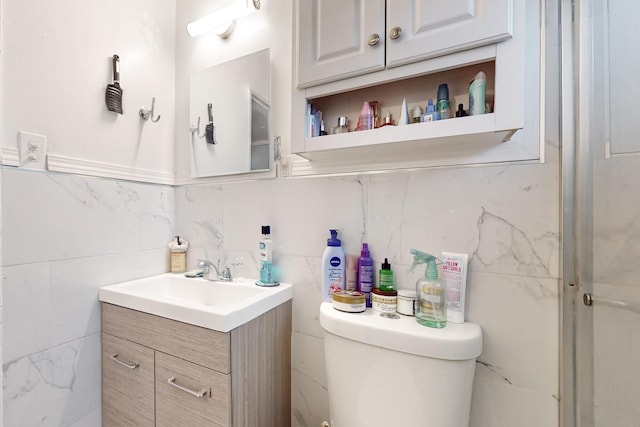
{"type": "Point", "coordinates": [157, 371]}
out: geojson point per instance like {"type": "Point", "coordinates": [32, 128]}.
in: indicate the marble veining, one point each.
{"type": "Point", "coordinates": [502, 245]}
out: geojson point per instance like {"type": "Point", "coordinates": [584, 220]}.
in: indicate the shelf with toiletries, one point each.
{"type": "Point", "coordinates": [508, 131]}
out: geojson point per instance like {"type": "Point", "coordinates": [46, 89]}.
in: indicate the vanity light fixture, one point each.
{"type": "Point", "coordinates": [222, 21]}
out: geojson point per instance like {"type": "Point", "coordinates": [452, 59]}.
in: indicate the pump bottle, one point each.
{"type": "Point", "coordinates": [431, 307]}
{"type": "Point", "coordinates": [333, 267]}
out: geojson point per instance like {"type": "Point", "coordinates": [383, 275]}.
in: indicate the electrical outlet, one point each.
{"type": "Point", "coordinates": [32, 150]}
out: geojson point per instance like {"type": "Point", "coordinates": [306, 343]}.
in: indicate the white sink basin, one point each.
{"type": "Point", "coordinates": [221, 306]}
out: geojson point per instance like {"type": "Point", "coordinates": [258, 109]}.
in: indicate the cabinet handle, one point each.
{"type": "Point", "coordinates": [201, 393]}
{"type": "Point", "coordinates": [395, 33]}
{"type": "Point", "coordinates": [114, 357]}
{"type": "Point", "coordinates": [374, 39]}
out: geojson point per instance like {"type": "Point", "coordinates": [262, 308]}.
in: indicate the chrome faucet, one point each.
{"type": "Point", "coordinates": [207, 266]}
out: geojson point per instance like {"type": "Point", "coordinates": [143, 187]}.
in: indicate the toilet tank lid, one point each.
{"type": "Point", "coordinates": [454, 342]}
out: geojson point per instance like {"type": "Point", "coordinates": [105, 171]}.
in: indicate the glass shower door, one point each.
{"type": "Point", "coordinates": [605, 297]}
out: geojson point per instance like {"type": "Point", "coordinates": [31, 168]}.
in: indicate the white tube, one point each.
{"type": "Point", "coordinates": [454, 275]}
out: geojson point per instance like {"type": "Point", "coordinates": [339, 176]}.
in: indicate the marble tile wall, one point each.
{"type": "Point", "coordinates": [505, 217]}
{"type": "Point", "coordinates": [63, 237]}
{"type": "Point", "coordinates": [616, 331]}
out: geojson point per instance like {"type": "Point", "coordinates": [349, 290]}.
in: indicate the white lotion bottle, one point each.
{"type": "Point", "coordinates": [333, 267]}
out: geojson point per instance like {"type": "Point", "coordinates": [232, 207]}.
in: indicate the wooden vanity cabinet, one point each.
{"type": "Point", "coordinates": [169, 373]}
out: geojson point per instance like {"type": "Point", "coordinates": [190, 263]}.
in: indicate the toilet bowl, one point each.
{"type": "Point", "coordinates": [396, 372]}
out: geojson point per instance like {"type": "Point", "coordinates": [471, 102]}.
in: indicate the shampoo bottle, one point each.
{"type": "Point", "coordinates": [431, 307]}
{"type": "Point", "coordinates": [266, 258]}
{"type": "Point", "coordinates": [385, 282]}
{"type": "Point", "coordinates": [333, 267]}
{"type": "Point", "coordinates": [365, 273]}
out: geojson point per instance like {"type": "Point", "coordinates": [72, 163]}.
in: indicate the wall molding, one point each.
{"type": "Point", "coordinates": [57, 163]}
{"type": "Point", "coordinates": [10, 156]}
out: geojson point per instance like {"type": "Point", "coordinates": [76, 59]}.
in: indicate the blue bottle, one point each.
{"type": "Point", "coordinates": [365, 273]}
{"type": "Point", "coordinates": [430, 114]}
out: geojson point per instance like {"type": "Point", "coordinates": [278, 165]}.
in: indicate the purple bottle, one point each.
{"type": "Point", "coordinates": [365, 273]}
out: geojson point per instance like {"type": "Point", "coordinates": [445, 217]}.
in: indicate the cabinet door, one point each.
{"type": "Point", "coordinates": [127, 383]}
{"type": "Point", "coordinates": [336, 39]}
{"type": "Point", "coordinates": [190, 395]}
{"type": "Point", "coordinates": [421, 29]}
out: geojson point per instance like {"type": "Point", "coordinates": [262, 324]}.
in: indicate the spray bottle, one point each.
{"type": "Point", "coordinates": [431, 306]}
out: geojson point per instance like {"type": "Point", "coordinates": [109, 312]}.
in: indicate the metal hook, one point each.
{"type": "Point", "coordinates": [148, 114]}
{"type": "Point", "coordinates": [196, 130]}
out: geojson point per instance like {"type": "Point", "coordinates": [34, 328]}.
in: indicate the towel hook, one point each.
{"type": "Point", "coordinates": [148, 114]}
{"type": "Point", "coordinates": [196, 130]}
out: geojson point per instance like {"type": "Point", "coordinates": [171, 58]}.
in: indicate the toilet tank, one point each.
{"type": "Point", "coordinates": [396, 372]}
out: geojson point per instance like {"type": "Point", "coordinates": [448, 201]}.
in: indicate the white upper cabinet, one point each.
{"type": "Point", "coordinates": [421, 29]}
{"type": "Point", "coordinates": [342, 38]}
{"type": "Point", "coordinates": [339, 39]}
{"type": "Point", "coordinates": [422, 45]}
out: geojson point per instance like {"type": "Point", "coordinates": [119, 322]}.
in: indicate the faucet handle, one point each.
{"type": "Point", "coordinates": [204, 265]}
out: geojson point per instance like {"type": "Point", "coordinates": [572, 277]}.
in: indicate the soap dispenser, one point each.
{"type": "Point", "coordinates": [431, 307]}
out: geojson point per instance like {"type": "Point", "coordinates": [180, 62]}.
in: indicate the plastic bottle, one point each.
{"type": "Point", "coordinates": [443, 106]}
{"type": "Point", "coordinates": [365, 273]}
{"type": "Point", "coordinates": [385, 282]}
{"type": "Point", "coordinates": [477, 93]}
{"type": "Point", "coordinates": [333, 267]}
{"type": "Point", "coordinates": [351, 275]}
{"type": "Point", "coordinates": [266, 257]}
{"type": "Point", "coordinates": [366, 117]}
{"type": "Point", "coordinates": [431, 307]}
{"type": "Point", "coordinates": [430, 114]}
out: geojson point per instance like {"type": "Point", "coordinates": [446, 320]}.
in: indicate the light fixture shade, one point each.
{"type": "Point", "coordinates": [221, 20]}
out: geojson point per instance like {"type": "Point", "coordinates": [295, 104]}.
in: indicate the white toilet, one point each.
{"type": "Point", "coordinates": [396, 372]}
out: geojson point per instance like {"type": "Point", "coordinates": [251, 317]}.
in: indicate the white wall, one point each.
{"type": "Point", "coordinates": [56, 65]}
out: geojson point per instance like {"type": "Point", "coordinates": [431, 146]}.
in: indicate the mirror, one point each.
{"type": "Point", "coordinates": [231, 103]}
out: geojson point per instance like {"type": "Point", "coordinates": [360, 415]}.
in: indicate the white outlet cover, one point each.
{"type": "Point", "coordinates": [32, 150]}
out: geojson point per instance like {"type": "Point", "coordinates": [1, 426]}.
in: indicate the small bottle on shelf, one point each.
{"type": "Point", "coordinates": [342, 126]}
{"type": "Point", "coordinates": [388, 120]}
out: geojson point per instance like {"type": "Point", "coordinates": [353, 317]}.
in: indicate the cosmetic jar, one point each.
{"type": "Point", "coordinates": [349, 301]}
{"type": "Point", "coordinates": [384, 301]}
{"type": "Point", "coordinates": [407, 302]}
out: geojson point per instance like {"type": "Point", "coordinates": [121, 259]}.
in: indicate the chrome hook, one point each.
{"type": "Point", "coordinates": [196, 130]}
{"type": "Point", "coordinates": [148, 114]}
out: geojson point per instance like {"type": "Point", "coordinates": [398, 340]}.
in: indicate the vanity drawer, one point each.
{"type": "Point", "coordinates": [127, 391]}
{"type": "Point", "coordinates": [203, 346]}
{"type": "Point", "coordinates": [176, 402]}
